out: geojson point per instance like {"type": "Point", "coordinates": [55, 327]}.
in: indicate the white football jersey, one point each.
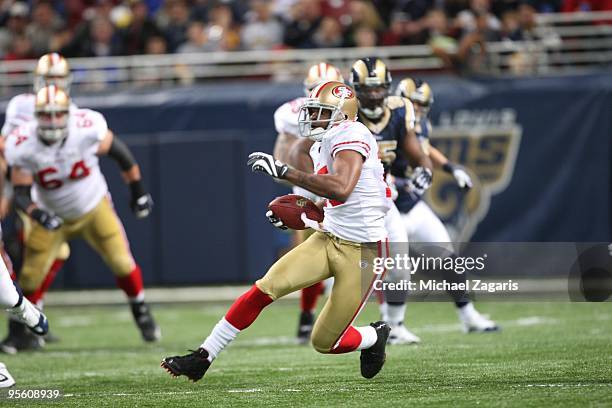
{"type": "Point", "coordinates": [287, 115]}
{"type": "Point", "coordinates": [361, 218]}
{"type": "Point", "coordinates": [67, 176]}
{"type": "Point", "coordinates": [20, 110]}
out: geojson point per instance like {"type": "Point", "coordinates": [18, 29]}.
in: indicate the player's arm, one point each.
{"type": "Point", "coordinates": [336, 186]}
{"type": "Point", "coordinates": [439, 160]}
{"type": "Point", "coordinates": [299, 155]}
{"type": "Point", "coordinates": [141, 202]}
{"type": "Point", "coordinates": [22, 186]}
{"type": "Point", "coordinates": [421, 177]}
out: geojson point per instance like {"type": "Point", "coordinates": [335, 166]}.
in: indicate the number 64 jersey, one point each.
{"type": "Point", "coordinates": [67, 176]}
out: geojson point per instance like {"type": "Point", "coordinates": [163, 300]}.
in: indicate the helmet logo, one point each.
{"type": "Point", "coordinates": [342, 92]}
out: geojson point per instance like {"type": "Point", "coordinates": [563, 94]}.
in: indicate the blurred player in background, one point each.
{"type": "Point", "coordinates": [58, 154]}
{"type": "Point", "coordinates": [350, 176]}
{"type": "Point", "coordinates": [391, 119]}
{"type": "Point", "coordinates": [420, 222]}
{"type": "Point", "coordinates": [294, 150]}
{"type": "Point", "coordinates": [51, 69]}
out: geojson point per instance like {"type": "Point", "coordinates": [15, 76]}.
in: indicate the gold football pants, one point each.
{"type": "Point", "coordinates": [320, 257]}
{"type": "Point", "coordinates": [100, 227]}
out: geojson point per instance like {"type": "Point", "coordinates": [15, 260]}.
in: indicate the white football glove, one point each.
{"type": "Point", "coordinates": [266, 163]}
{"type": "Point", "coordinates": [274, 220]}
{"type": "Point", "coordinates": [463, 179]}
{"type": "Point", "coordinates": [419, 181]}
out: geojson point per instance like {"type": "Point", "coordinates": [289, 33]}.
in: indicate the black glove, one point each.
{"type": "Point", "coordinates": [274, 220]}
{"type": "Point", "coordinates": [265, 163]}
{"type": "Point", "coordinates": [141, 202]}
{"type": "Point", "coordinates": [419, 181]}
{"type": "Point", "coordinates": [48, 221]}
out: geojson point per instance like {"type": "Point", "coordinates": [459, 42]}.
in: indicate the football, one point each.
{"type": "Point", "coordinates": [289, 209]}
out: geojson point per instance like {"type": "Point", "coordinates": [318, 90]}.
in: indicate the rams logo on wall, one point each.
{"type": "Point", "coordinates": [486, 144]}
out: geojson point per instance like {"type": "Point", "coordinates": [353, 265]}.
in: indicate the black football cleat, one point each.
{"type": "Point", "coordinates": [20, 338]}
{"type": "Point", "coordinates": [193, 365]}
{"type": "Point", "coordinates": [149, 330]}
{"type": "Point", "coordinates": [373, 358]}
{"type": "Point", "coordinates": [305, 327]}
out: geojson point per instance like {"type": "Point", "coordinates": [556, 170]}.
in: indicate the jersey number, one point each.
{"type": "Point", "coordinates": [386, 151]}
{"type": "Point", "coordinates": [79, 171]}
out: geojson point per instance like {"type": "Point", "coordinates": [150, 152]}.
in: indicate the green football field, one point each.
{"type": "Point", "coordinates": [548, 354]}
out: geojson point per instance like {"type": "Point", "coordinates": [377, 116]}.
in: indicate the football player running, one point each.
{"type": "Point", "coordinates": [391, 119]}
{"type": "Point", "coordinates": [287, 149]}
{"type": "Point", "coordinates": [420, 222]}
{"type": "Point", "coordinates": [51, 69]}
{"type": "Point", "coordinates": [57, 154]}
{"type": "Point", "coordinates": [349, 176]}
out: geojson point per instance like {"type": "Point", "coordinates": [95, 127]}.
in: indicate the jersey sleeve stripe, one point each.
{"type": "Point", "coordinates": [363, 145]}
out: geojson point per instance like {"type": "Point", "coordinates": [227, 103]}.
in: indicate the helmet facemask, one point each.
{"type": "Point", "coordinates": [52, 125]}
{"type": "Point", "coordinates": [372, 100]}
{"type": "Point", "coordinates": [317, 118]}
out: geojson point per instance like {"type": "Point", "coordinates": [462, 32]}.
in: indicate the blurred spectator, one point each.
{"type": "Point", "coordinates": [440, 39]}
{"type": "Point", "coordinates": [16, 24]}
{"type": "Point", "coordinates": [305, 19]}
{"type": "Point", "coordinates": [96, 38]}
{"type": "Point", "coordinates": [73, 12]}
{"type": "Point", "coordinates": [140, 29]}
{"type": "Point", "coordinates": [223, 27]}
{"type": "Point", "coordinates": [528, 29]}
{"type": "Point", "coordinates": [178, 20]}
{"type": "Point", "coordinates": [156, 45]}
{"type": "Point", "coordinates": [45, 23]}
{"type": "Point", "coordinates": [404, 30]}
{"type": "Point", "coordinates": [365, 36]}
{"type": "Point", "coordinates": [362, 15]}
{"type": "Point", "coordinates": [471, 52]}
{"type": "Point", "coordinates": [21, 49]}
{"type": "Point", "coordinates": [510, 26]}
{"type": "Point", "coordinates": [466, 19]}
{"type": "Point", "coordinates": [586, 5]}
{"type": "Point", "coordinates": [329, 34]}
{"type": "Point", "coordinates": [198, 40]}
{"type": "Point", "coordinates": [262, 30]}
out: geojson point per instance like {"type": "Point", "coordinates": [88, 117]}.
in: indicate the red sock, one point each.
{"type": "Point", "coordinates": [350, 340]}
{"type": "Point", "coordinates": [131, 284]}
{"type": "Point", "coordinates": [247, 307]}
{"type": "Point", "coordinates": [310, 295]}
{"type": "Point", "coordinates": [44, 287]}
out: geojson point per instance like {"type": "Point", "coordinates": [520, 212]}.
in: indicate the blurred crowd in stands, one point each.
{"type": "Point", "coordinates": [92, 28]}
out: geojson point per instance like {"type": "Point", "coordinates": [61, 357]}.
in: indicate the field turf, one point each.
{"type": "Point", "coordinates": [548, 354]}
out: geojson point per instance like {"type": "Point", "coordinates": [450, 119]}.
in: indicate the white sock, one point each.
{"type": "Point", "coordinates": [222, 334]}
{"type": "Point", "coordinates": [384, 307]}
{"type": "Point", "coordinates": [368, 337]}
{"type": "Point", "coordinates": [396, 314]}
{"type": "Point", "coordinates": [8, 292]}
{"type": "Point", "coordinates": [139, 298]}
{"type": "Point", "coordinates": [26, 312]}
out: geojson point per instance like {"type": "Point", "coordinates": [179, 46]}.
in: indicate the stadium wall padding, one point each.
{"type": "Point", "coordinates": [209, 226]}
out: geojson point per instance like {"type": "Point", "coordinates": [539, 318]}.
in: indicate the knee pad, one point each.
{"type": "Point", "coordinates": [121, 264]}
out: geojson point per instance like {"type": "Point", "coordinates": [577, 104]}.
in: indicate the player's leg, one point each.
{"type": "Point", "coordinates": [334, 331]}
{"type": "Point", "coordinates": [103, 230]}
{"type": "Point", "coordinates": [428, 228]}
{"type": "Point", "coordinates": [393, 306]}
{"type": "Point", "coordinates": [308, 298]}
{"type": "Point", "coordinates": [40, 251]}
{"type": "Point", "coordinates": [20, 310]}
{"type": "Point", "coordinates": [299, 268]}
{"type": "Point", "coordinates": [37, 297]}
